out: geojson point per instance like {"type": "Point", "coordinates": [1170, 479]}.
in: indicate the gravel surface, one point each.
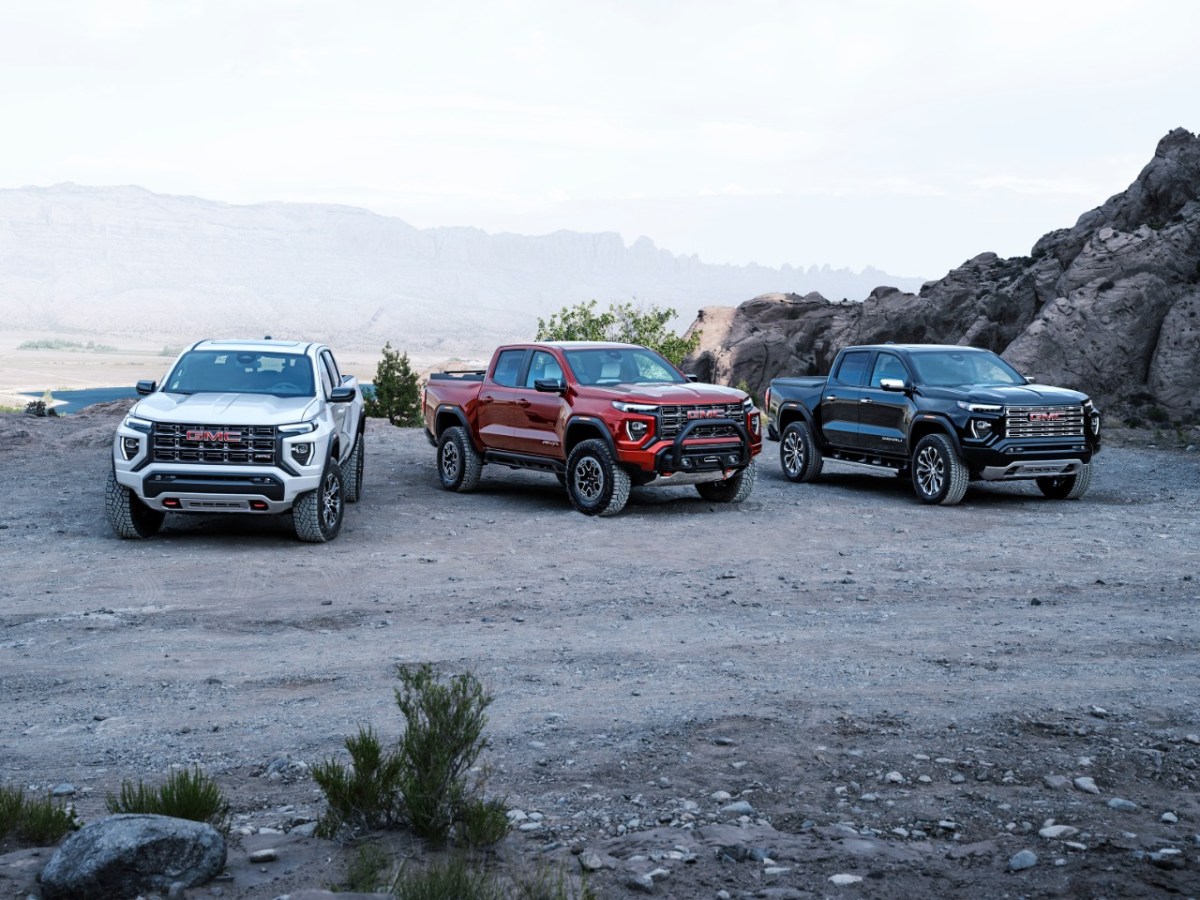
{"type": "Point", "coordinates": [826, 683]}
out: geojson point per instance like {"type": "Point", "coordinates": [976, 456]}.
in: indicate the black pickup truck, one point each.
{"type": "Point", "coordinates": [942, 415]}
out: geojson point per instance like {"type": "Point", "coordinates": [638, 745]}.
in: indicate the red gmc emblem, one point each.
{"type": "Point", "coordinates": [704, 414]}
{"type": "Point", "coordinates": [228, 437]}
{"type": "Point", "coordinates": [1044, 417]}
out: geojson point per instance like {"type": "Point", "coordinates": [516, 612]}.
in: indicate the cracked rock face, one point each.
{"type": "Point", "coordinates": [1110, 307]}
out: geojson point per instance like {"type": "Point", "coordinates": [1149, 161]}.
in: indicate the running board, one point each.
{"type": "Point", "coordinates": [524, 461]}
{"type": "Point", "coordinates": [869, 462]}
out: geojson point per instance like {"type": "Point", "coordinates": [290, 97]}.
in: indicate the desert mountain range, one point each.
{"type": "Point", "coordinates": [1110, 306]}
{"type": "Point", "coordinates": [124, 261]}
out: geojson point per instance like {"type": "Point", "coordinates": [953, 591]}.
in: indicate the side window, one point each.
{"type": "Point", "coordinates": [326, 381]}
{"type": "Point", "coordinates": [887, 366]}
{"type": "Point", "coordinates": [334, 372]}
{"type": "Point", "coordinates": [508, 368]}
{"type": "Point", "coordinates": [544, 365]}
{"type": "Point", "coordinates": [852, 368]}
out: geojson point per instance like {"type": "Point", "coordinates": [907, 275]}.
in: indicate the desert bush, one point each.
{"type": "Point", "coordinates": [620, 322]}
{"type": "Point", "coordinates": [424, 782]}
{"type": "Point", "coordinates": [395, 394]}
{"type": "Point", "coordinates": [450, 879]}
{"type": "Point", "coordinates": [185, 795]}
{"type": "Point", "coordinates": [38, 823]}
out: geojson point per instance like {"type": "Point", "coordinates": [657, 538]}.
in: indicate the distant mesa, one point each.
{"type": "Point", "coordinates": [125, 261]}
{"type": "Point", "coordinates": [1110, 306]}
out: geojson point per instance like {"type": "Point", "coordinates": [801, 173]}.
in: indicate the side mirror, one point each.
{"type": "Point", "coordinates": [895, 385]}
{"type": "Point", "coordinates": [145, 387]}
{"type": "Point", "coordinates": [341, 395]}
{"type": "Point", "coordinates": [1030, 379]}
{"type": "Point", "coordinates": [550, 385]}
{"type": "Point", "coordinates": [693, 377]}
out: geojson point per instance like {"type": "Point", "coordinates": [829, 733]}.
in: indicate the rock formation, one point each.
{"type": "Point", "coordinates": [1109, 306]}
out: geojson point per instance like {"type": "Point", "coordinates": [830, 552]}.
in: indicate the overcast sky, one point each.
{"type": "Point", "coordinates": [905, 135]}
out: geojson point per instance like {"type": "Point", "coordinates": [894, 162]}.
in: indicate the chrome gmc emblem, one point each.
{"type": "Point", "coordinates": [1044, 416]}
{"type": "Point", "coordinates": [704, 414]}
{"type": "Point", "coordinates": [228, 437]}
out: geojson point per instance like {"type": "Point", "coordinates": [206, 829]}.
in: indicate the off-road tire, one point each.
{"type": "Point", "coordinates": [459, 464]}
{"type": "Point", "coordinates": [354, 468]}
{"type": "Point", "coordinates": [596, 485]}
{"type": "Point", "coordinates": [129, 517]}
{"type": "Point", "coordinates": [734, 489]}
{"type": "Point", "coordinates": [318, 514]}
{"type": "Point", "coordinates": [938, 473]}
{"type": "Point", "coordinates": [1067, 487]}
{"type": "Point", "coordinates": [798, 454]}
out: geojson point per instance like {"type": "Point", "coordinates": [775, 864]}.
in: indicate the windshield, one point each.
{"type": "Point", "coordinates": [959, 367]}
{"type": "Point", "coordinates": [254, 372]}
{"type": "Point", "coordinates": [621, 365]}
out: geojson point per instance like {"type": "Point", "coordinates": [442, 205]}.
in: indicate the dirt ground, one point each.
{"type": "Point", "coordinates": [745, 701]}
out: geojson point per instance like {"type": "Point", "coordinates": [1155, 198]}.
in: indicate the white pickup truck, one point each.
{"type": "Point", "coordinates": [241, 427]}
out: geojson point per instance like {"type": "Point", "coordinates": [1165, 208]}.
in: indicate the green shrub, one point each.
{"type": "Point", "coordinates": [367, 871]}
{"type": "Point", "coordinates": [452, 879]}
{"type": "Point", "coordinates": [38, 823]}
{"type": "Point", "coordinates": [423, 782]}
{"type": "Point", "coordinates": [364, 795]}
{"type": "Point", "coordinates": [186, 795]}
{"type": "Point", "coordinates": [395, 394]}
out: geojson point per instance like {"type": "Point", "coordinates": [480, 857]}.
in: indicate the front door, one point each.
{"type": "Point", "coordinates": [498, 399]}
{"type": "Point", "coordinates": [883, 415]}
{"type": "Point", "coordinates": [536, 427]}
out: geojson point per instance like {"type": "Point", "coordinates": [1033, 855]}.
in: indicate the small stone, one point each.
{"type": "Point", "coordinates": [1025, 859]}
{"type": "Point", "coordinates": [1086, 784]}
{"type": "Point", "coordinates": [894, 778]}
{"type": "Point", "coordinates": [265, 855]}
{"type": "Point", "coordinates": [1053, 832]}
{"type": "Point", "coordinates": [740, 808]}
{"type": "Point", "coordinates": [957, 778]}
{"type": "Point", "coordinates": [642, 883]}
{"type": "Point", "coordinates": [1122, 805]}
{"type": "Point", "coordinates": [841, 880]}
{"type": "Point", "coordinates": [1056, 782]}
{"type": "Point", "coordinates": [1170, 818]}
{"type": "Point", "coordinates": [720, 796]}
{"type": "Point", "coordinates": [66, 789]}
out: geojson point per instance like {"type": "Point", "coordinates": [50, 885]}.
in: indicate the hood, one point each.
{"type": "Point", "coordinates": [224, 408]}
{"type": "Point", "coordinates": [1009, 395]}
{"type": "Point", "coordinates": [668, 394]}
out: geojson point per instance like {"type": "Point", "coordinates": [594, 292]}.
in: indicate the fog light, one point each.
{"type": "Point", "coordinates": [130, 447]}
{"type": "Point", "coordinates": [302, 453]}
{"type": "Point", "coordinates": [732, 459]}
{"type": "Point", "coordinates": [685, 463]}
{"type": "Point", "coordinates": [981, 428]}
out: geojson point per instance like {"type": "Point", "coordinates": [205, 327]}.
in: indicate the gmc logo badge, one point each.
{"type": "Point", "coordinates": [1044, 417]}
{"type": "Point", "coordinates": [704, 414]}
{"type": "Point", "coordinates": [227, 437]}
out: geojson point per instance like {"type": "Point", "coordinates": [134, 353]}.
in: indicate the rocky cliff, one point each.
{"type": "Point", "coordinates": [1109, 306]}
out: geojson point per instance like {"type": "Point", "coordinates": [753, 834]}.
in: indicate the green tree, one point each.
{"type": "Point", "coordinates": [620, 322]}
{"type": "Point", "coordinates": [397, 397]}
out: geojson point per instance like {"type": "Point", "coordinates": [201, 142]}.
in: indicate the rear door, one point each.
{"type": "Point", "coordinates": [498, 400]}
{"type": "Point", "coordinates": [840, 399]}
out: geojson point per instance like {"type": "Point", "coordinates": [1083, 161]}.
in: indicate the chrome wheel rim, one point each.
{"type": "Point", "coordinates": [449, 461]}
{"type": "Point", "coordinates": [793, 453]}
{"type": "Point", "coordinates": [589, 479]}
{"type": "Point", "coordinates": [931, 471]}
{"type": "Point", "coordinates": [331, 500]}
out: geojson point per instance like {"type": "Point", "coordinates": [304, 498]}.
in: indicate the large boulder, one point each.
{"type": "Point", "coordinates": [128, 855]}
{"type": "Point", "coordinates": [1110, 306]}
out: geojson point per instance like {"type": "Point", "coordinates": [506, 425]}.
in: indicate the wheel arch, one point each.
{"type": "Point", "coordinates": [448, 417]}
{"type": "Point", "coordinates": [582, 428]}
{"type": "Point", "coordinates": [926, 425]}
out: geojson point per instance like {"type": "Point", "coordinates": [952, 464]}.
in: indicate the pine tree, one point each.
{"type": "Point", "coordinates": [397, 396]}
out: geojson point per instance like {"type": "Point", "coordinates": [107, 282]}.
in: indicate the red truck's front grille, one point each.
{"type": "Point", "coordinates": [675, 417]}
{"type": "Point", "coordinates": [214, 444]}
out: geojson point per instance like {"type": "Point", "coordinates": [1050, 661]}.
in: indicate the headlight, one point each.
{"type": "Point", "coordinates": [302, 453]}
{"type": "Point", "coordinates": [636, 429]}
{"type": "Point", "coordinates": [981, 428]}
{"type": "Point", "coordinates": [137, 424]}
{"type": "Point", "coordinates": [980, 407]}
{"type": "Point", "coordinates": [298, 428]}
{"type": "Point", "coordinates": [646, 409]}
{"type": "Point", "coordinates": [130, 447]}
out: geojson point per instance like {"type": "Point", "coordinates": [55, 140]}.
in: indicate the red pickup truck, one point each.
{"type": "Point", "coordinates": [603, 417]}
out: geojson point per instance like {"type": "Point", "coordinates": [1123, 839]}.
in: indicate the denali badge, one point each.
{"type": "Point", "coordinates": [228, 437]}
{"type": "Point", "coordinates": [704, 414]}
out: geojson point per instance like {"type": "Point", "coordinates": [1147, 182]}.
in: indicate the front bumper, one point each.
{"type": "Point", "coordinates": [1016, 459]}
{"type": "Point", "coordinates": [688, 460]}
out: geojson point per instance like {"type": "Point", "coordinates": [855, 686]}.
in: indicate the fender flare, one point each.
{"type": "Point", "coordinates": [590, 423]}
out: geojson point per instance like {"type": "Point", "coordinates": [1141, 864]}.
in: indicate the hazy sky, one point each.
{"type": "Point", "coordinates": [905, 135]}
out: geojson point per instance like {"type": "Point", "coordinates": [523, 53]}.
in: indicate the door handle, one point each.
{"type": "Point", "coordinates": [831, 397]}
{"type": "Point", "coordinates": [486, 398]}
{"type": "Point", "coordinates": [866, 400]}
{"type": "Point", "coordinates": [523, 402]}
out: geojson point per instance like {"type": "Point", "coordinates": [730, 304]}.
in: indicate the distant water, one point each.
{"type": "Point", "coordinates": [74, 401]}
{"type": "Point", "coordinates": [77, 400]}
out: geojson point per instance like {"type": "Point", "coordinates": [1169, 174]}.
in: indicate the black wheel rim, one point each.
{"type": "Point", "coordinates": [450, 461]}
{"type": "Point", "coordinates": [588, 479]}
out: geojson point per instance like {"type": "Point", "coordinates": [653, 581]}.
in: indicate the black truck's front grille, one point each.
{"type": "Point", "coordinates": [1044, 421]}
{"type": "Point", "coordinates": [243, 445]}
{"type": "Point", "coordinates": [674, 418]}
